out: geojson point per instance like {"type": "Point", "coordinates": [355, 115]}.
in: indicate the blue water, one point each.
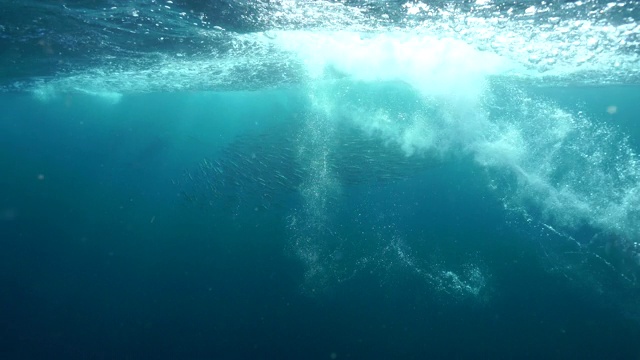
{"type": "Point", "coordinates": [370, 179]}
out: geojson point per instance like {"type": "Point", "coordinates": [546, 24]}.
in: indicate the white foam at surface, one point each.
{"type": "Point", "coordinates": [434, 66]}
{"type": "Point", "coordinates": [563, 43]}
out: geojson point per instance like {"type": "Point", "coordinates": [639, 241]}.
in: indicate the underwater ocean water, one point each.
{"type": "Point", "coordinates": [316, 179]}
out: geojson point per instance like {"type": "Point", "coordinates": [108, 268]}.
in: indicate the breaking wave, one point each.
{"type": "Point", "coordinates": [390, 89]}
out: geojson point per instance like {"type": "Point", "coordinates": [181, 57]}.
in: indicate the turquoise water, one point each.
{"type": "Point", "coordinates": [365, 180]}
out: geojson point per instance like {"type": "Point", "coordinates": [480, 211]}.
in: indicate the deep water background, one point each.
{"type": "Point", "coordinates": [102, 258]}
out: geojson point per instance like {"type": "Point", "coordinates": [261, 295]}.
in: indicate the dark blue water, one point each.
{"type": "Point", "coordinates": [259, 184]}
